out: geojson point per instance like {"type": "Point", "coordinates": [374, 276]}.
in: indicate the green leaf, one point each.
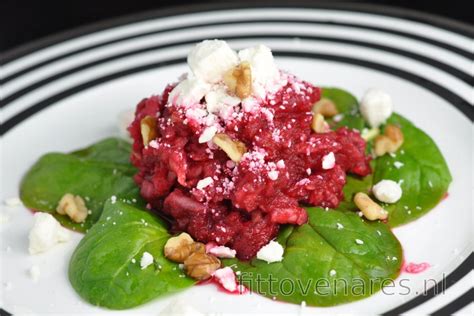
{"type": "Point", "coordinates": [348, 107]}
{"type": "Point", "coordinates": [324, 265]}
{"type": "Point", "coordinates": [105, 267]}
{"type": "Point", "coordinates": [95, 173]}
{"type": "Point", "coordinates": [112, 150]}
{"type": "Point", "coordinates": [424, 174]}
{"type": "Point", "coordinates": [353, 185]}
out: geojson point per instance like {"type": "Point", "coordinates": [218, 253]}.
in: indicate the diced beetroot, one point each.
{"type": "Point", "coordinates": [246, 202]}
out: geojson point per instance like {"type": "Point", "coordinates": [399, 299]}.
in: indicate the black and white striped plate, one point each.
{"type": "Point", "coordinates": [66, 91]}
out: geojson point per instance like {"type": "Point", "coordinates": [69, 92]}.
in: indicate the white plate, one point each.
{"type": "Point", "coordinates": [66, 92]}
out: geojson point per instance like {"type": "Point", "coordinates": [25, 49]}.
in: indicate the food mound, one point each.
{"type": "Point", "coordinates": [230, 152]}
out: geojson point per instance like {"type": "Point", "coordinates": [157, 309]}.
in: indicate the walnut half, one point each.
{"type": "Point", "coordinates": [148, 129]}
{"type": "Point", "coordinates": [73, 206]}
{"type": "Point", "coordinates": [233, 148]}
{"type": "Point", "coordinates": [239, 80]}
{"type": "Point", "coordinates": [325, 107]}
{"type": "Point", "coordinates": [201, 266]}
{"type": "Point", "coordinates": [179, 248]}
{"type": "Point", "coordinates": [390, 142]}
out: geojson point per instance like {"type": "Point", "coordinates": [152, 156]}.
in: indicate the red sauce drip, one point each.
{"type": "Point", "coordinates": [415, 268]}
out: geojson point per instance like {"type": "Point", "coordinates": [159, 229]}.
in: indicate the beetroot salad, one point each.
{"type": "Point", "coordinates": [232, 150]}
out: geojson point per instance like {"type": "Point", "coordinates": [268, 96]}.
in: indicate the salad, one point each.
{"type": "Point", "coordinates": [244, 175]}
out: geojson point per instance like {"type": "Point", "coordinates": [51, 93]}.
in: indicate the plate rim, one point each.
{"type": "Point", "coordinates": [448, 24]}
{"type": "Point", "coordinates": [407, 14]}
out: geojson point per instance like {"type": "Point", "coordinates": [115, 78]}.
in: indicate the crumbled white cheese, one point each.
{"type": "Point", "coordinates": [34, 273]}
{"type": "Point", "coordinates": [12, 202]}
{"type": "Point", "coordinates": [204, 183]}
{"type": "Point", "coordinates": [146, 260]}
{"type": "Point", "coordinates": [222, 252]}
{"type": "Point", "coordinates": [264, 70]}
{"type": "Point", "coordinates": [398, 164]}
{"type": "Point", "coordinates": [329, 161]}
{"type": "Point", "coordinates": [387, 191]}
{"type": "Point", "coordinates": [332, 272]}
{"type": "Point", "coordinates": [226, 277]}
{"type": "Point", "coordinates": [211, 59]}
{"type": "Point", "coordinates": [339, 226]}
{"type": "Point", "coordinates": [271, 252]}
{"type": "Point", "coordinates": [188, 92]}
{"type": "Point", "coordinates": [280, 164]}
{"type": "Point", "coordinates": [376, 107]}
{"type": "Point", "coordinates": [359, 242]}
{"type": "Point", "coordinates": [221, 103]}
{"type": "Point", "coordinates": [273, 175]}
{"type": "Point", "coordinates": [46, 233]}
{"type": "Point", "coordinates": [180, 307]}
{"type": "Point", "coordinates": [207, 134]}
{"type": "Point", "coordinates": [113, 199]}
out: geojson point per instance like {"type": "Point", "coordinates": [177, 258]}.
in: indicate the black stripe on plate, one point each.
{"type": "Point", "coordinates": [4, 312]}
{"type": "Point", "coordinates": [103, 25]}
{"type": "Point", "coordinates": [456, 305]}
{"type": "Point", "coordinates": [453, 71]}
{"type": "Point", "coordinates": [441, 91]}
{"type": "Point", "coordinates": [446, 283]}
{"type": "Point", "coordinates": [455, 276]}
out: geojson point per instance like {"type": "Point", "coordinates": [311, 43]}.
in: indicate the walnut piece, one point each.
{"type": "Point", "coordinates": [371, 210]}
{"type": "Point", "coordinates": [318, 124]}
{"type": "Point", "coordinates": [239, 80]}
{"type": "Point", "coordinates": [72, 206]}
{"type": "Point", "coordinates": [389, 142]}
{"type": "Point", "coordinates": [325, 107]}
{"type": "Point", "coordinates": [234, 149]}
{"type": "Point", "coordinates": [148, 129]}
{"type": "Point", "coordinates": [179, 248]}
{"type": "Point", "coordinates": [201, 266]}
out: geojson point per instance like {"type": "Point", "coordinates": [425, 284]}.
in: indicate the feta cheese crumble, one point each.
{"type": "Point", "coordinates": [46, 233]}
{"type": "Point", "coordinates": [210, 59]}
{"type": "Point", "coordinates": [376, 107]}
{"type": "Point", "coordinates": [398, 164]}
{"type": "Point", "coordinates": [329, 161]}
{"type": "Point", "coordinates": [264, 70]}
{"type": "Point", "coordinates": [272, 252]}
{"type": "Point", "coordinates": [226, 277]}
{"type": "Point", "coordinates": [204, 183]}
{"type": "Point", "coordinates": [387, 191]}
{"type": "Point", "coordinates": [359, 242]}
{"type": "Point", "coordinates": [189, 92]}
{"type": "Point", "coordinates": [180, 307]}
{"type": "Point", "coordinates": [12, 202]}
{"type": "Point", "coordinates": [222, 252]}
{"type": "Point", "coordinates": [273, 175]}
{"type": "Point", "coordinates": [207, 134]}
{"type": "Point", "coordinates": [146, 260]}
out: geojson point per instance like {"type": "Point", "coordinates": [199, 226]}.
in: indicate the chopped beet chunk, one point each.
{"type": "Point", "coordinates": [241, 205]}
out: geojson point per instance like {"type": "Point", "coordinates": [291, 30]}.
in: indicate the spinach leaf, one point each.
{"type": "Point", "coordinates": [353, 185]}
{"type": "Point", "coordinates": [112, 150]}
{"type": "Point", "coordinates": [424, 174]}
{"type": "Point", "coordinates": [105, 267]}
{"type": "Point", "coordinates": [421, 169]}
{"type": "Point", "coordinates": [95, 173]}
{"type": "Point", "coordinates": [348, 107]}
{"type": "Point", "coordinates": [325, 264]}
